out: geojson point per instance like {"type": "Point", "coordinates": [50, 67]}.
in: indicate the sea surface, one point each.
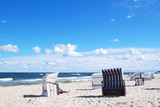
{"type": "Point", "coordinates": [12, 79]}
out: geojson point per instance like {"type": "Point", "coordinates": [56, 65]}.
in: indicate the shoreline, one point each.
{"type": "Point", "coordinates": [32, 78]}
{"type": "Point", "coordinates": [80, 95]}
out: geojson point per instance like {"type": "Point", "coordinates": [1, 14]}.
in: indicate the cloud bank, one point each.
{"type": "Point", "coordinates": [65, 58]}
{"type": "Point", "coordinates": [99, 52]}
{"type": "Point", "coordinates": [9, 48]}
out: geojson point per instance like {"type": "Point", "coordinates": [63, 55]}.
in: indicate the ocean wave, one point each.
{"type": "Point", "coordinates": [6, 79]}
{"type": "Point", "coordinates": [75, 74]}
{"type": "Point", "coordinates": [30, 80]}
{"type": "Point", "coordinates": [86, 77]}
{"type": "Point", "coordinates": [84, 80]}
{"type": "Point", "coordinates": [72, 79]}
{"type": "Point", "coordinates": [33, 80]}
{"type": "Point", "coordinates": [67, 78]}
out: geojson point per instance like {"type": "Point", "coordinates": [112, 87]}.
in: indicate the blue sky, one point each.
{"type": "Point", "coordinates": [38, 35]}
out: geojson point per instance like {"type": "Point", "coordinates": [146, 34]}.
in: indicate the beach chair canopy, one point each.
{"type": "Point", "coordinates": [113, 83]}
{"type": "Point", "coordinates": [136, 75]}
{"type": "Point", "coordinates": [50, 77]}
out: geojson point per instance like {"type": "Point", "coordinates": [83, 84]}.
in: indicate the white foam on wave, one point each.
{"type": "Point", "coordinates": [85, 78]}
{"type": "Point", "coordinates": [75, 74]}
{"type": "Point", "coordinates": [31, 80]}
{"type": "Point", "coordinates": [6, 79]}
{"type": "Point", "coordinates": [82, 80]}
{"type": "Point", "coordinates": [66, 78]}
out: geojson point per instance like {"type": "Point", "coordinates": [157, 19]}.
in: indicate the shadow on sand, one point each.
{"type": "Point", "coordinates": [32, 96]}
{"type": "Point", "coordinates": [152, 89]}
{"type": "Point", "coordinates": [84, 89]}
{"type": "Point", "coordinates": [99, 96]}
{"type": "Point", "coordinates": [130, 85]}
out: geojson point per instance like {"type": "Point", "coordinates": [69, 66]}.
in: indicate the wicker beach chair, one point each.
{"type": "Point", "coordinates": [113, 83]}
{"type": "Point", "coordinates": [49, 85]}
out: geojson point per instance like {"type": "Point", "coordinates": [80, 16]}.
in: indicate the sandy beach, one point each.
{"type": "Point", "coordinates": [81, 95]}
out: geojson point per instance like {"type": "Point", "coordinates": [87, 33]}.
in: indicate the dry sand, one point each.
{"type": "Point", "coordinates": [82, 95]}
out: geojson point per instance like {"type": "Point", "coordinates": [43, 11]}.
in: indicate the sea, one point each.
{"type": "Point", "coordinates": [13, 79]}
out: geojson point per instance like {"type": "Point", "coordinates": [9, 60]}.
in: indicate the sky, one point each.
{"type": "Point", "coordinates": [79, 35]}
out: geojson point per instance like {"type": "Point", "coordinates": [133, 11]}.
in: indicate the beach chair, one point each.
{"type": "Point", "coordinates": [113, 83]}
{"type": "Point", "coordinates": [138, 79]}
{"type": "Point", "coordinates": [152, 75]}
{"type": "Point", "coordinates": [49, 86]}
{"type": "Point", "coordinates": [148, 75]}
{"type": "Point", "coordinates": [96, 80]}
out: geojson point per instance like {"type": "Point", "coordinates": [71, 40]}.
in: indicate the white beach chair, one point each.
{"type": "Point", "coordinates": [49, 86]}
{"type": "Point", "coordinates": [137, 77]}
{"type": "Point", "coordinates": [148, 75]}
{"type": "Point", "coordinates": [96, 80]}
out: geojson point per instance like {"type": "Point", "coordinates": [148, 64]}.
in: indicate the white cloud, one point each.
{"type": "Point", "coordinates": [127, 58]}
{"type": "Point", "coordinates": [66, 50]}
{"type": "Point", "coordinates": [130, 57]}
{"type": "Point", "coordinates": [47, 63]}
{"type": "Point", "coordinates": [36, 49]}
{"type": "Point", "coordinates": [112, 20]}
{"type": "Point", "coordinates": [3, 21]}
{"type": "Point", "coordinates": [48, 51]}
{"type": "Point", "coordinates": [142, 8]}
{"type": "Point", "coordinates": [9, 48]}
{"type": "Point", "coordinates": [99, 52]}
{"type": "Point", "coordinates": [51, 63]}
{"type": "Point", "coordinates": [60, 49]}
{"type": "Point", "coordinates": [117, 50]}
{"type": "Point", "coordinates": [1, 63]}
{"type": "Point", "coordinates": [115, 40]}
{"type": "Point", "coordinates": [133, 54]}
{"type": "Point", "coordinates": [130, 16]}
{"type": "Point", "coordinates": [133, 51]}
{"type": "Point", "coordinates": [141, 57]}
{"type": "Point", "coordinates": [126, 50]}
{"type": "Point", "coordinates": [157, 59]}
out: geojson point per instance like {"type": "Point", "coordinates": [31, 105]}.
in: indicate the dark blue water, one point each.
{"type": "Point", "coordinates": [11, 79]}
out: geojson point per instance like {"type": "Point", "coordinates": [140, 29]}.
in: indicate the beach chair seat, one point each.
{"type": "Point", "coordinates": [52, 89]}
{"type": "Point", "coordinates": [113, 83]}
{"type": "Point", "coordinates": [139, 81]}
